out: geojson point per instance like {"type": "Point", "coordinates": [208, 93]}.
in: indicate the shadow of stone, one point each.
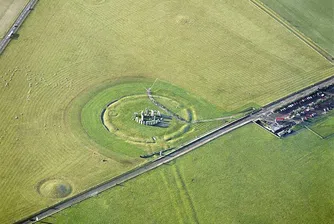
{"type": "Point", "coordinates": [162, 125]}
{"type": "Point", "coordinates": [15, 36]}
{"type": "Point", "coordinates": [166, 116]}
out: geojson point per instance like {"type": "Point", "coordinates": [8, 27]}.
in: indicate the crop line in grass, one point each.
{"type": "Point", "coordinates": [90, 13]}
{"type": "Point", "coordinates": [188, 197]}
{"type": "Point", "coordinates": [103, 21]}
{"type": "Point", "coordinates": [295, 31]}
{"type": "Point", "coordinates": [173, 199]}
{"type": "Point", "coordinates": [313, 132]}
{"type": "Point", "coordinates": [259, 52]}
{"type": "Point", "coordinates": [40, 34]}
{"type": "Point", "coordinates": [266, 130]}
{"type": "Point", "coordinates": [329, 136]}
{"type": "Point", "coordinates": [17, 24]}
{"type": "Point", "coordinates": [181, 194]}
{"type": "Point", "coordinates": [136, 11]}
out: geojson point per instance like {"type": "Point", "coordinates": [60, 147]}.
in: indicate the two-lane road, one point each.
{"type": "Point", "coordinates": [179, 152]}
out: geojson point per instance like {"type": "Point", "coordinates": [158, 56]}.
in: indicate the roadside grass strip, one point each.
{"type": "Point", "coordinates": [247, 175]}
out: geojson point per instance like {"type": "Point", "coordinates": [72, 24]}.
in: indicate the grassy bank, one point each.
{"type": "Point", "coordinates": [247, 176]}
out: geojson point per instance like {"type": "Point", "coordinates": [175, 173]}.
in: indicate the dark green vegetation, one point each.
{"type": "Point", "coordinates": [314, 18]}
{"type": "Point", "coordinates": [247, 176]}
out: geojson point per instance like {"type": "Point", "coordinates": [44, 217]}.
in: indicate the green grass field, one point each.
{"type": "Point", "coordinates": [325, 126]}
{"type": "Point", "coordinates": [9, 11]}
{"type": "Point", "coordinates": [247, 176]}
{"type": "Point", "coordinates": [229, 54]}
{"type": "Point", "coordinates": [314, 18]}
{"type": "Point", "coordinates": [125, 135]}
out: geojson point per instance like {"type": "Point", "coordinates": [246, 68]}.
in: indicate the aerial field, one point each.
{"type": "Point", "coordinates": [324, 126]}
{"type": "Point", "coordinates": [115, 105]}
{"type": "Point", "coordinates": [247, 176]}
{"type": "Point", "coordinates": [9, 10]}
{"type": "Point", "coordinates": [314, 18]}
{"type": "Point", "coordinates": [229, 55]}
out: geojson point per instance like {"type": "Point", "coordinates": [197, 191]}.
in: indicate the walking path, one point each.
{"type": "Point", "coordinates": [162, 107]}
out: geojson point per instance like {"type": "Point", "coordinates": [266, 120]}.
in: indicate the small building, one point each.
{"type": "Point", "coordinates": [278, 119]}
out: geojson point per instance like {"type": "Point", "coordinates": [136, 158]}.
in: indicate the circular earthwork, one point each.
{"type": "Point", "coordinates": [54, 188]}
{"type": "Point", "coordinates": [106, 115]}
{"type": "Point", "coordinates": [118, 118]}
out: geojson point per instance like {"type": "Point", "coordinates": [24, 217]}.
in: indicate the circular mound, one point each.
{"type": "Point", "coordinates": [54, 188]}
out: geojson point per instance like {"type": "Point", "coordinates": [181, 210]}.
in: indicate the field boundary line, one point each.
{"type": "Point", "coordinates": [294, 30]}
{"type": "Point", "coordinates": [17, 24]}
{"type": "Point", "coordinates": [265, 129]}
{"type": "Point", "coordinates": [180, 151]}
{"type": "Point", "coordinates": [329, 136]}
{"type": "Point", "coordinates": [178, 177]}
{"type": "Point", "coordinates": [313, 132]}
{"type": "Point", "coordinates": [170, 195]}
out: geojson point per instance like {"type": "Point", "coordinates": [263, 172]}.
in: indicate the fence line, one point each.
{"type": "Point", "coordinates": [294, 30]}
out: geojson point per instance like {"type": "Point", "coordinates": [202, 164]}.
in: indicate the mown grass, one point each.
{"type": "Point", "coordinates": [91, 118]}
{"type": "Point", "coordinates": [314, 18]}
{"type": "Point", "coordinates": [129, 137]}
{"type": "Point", "coordinates": [247, 176]}
{"type": "Point", "coordinates": [228, 53]}
{"type": "Point", "coordinates": [125, 123]}
{"type": "Point", "coordinates": [9, 11]}
{"type": "Point", "coordinates": [325, 126]}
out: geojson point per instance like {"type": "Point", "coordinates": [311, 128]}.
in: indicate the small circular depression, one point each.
{"type": "Point", "coordinates": [54, 188]}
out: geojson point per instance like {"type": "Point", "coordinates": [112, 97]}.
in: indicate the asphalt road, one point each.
{"type": "Point", "coordinates": [163, 160]}
{"type": "Point", "coordinates": [17, 24]}
{"type": "Point", "coordinates": [179, 152]}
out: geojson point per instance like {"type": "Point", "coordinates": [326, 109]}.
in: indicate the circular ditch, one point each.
{"type": "Point", "coordinates": [118, 119]}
